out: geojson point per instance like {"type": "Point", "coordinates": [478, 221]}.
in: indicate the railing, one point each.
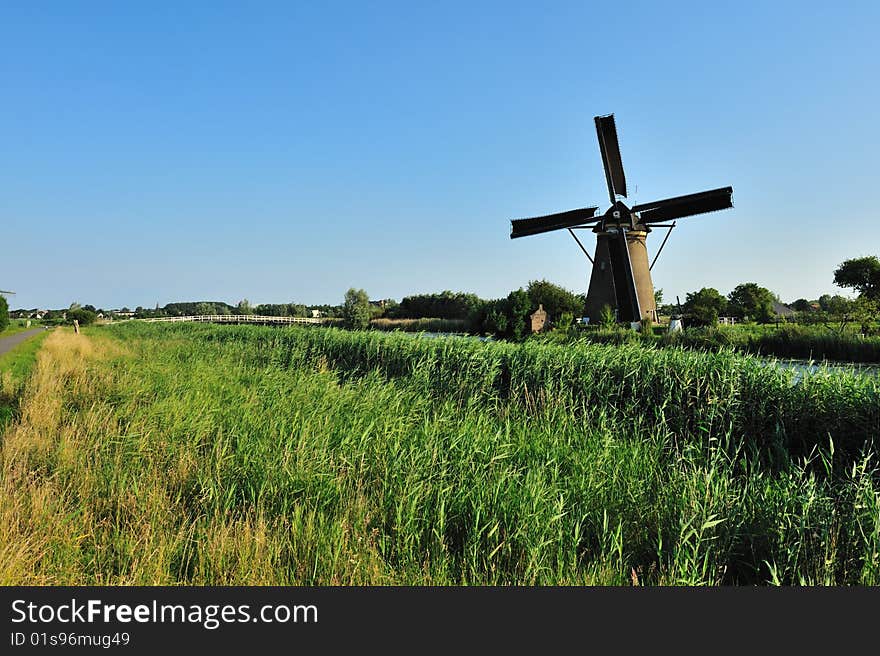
{"type": "Point", "coordinates": [241, 318]}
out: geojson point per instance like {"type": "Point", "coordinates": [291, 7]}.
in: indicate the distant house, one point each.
{"type": "Point", "coordinates": [727, 321]}
{"type": "Point", "coordinates": [316, 314]}
{"type": "Point", "coordinates": [539, 319]}
{"type": "Point", "coordinates": [782, 310]}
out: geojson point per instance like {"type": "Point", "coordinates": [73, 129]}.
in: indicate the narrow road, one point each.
{"type": "Point", "coordinates": [8, 343]}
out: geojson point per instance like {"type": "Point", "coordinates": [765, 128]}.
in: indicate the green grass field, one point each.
{"type": "Point", "coordinates": [198, 454]}
{"type": "Point", "coordinates": [15, 367]}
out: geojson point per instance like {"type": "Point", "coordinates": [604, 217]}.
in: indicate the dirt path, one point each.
{"type": "Point", "coordinates": [8, 343]}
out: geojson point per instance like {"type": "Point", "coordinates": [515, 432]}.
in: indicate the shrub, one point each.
{"type": "Point", "coordinates": [81, 316]}
{"type": "Point", "coordinates": [356, 309]}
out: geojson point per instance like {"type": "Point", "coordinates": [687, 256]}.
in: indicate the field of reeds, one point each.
{"type": "Point", "coordinates": [198, 454]}
{"type": "Point", "coordinates": [787, 341]}
{"type": "Point", "coordinates": [421, 325]}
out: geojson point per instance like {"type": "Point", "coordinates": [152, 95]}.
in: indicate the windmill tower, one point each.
{"type": "Point", "coordinates": [621, 275]}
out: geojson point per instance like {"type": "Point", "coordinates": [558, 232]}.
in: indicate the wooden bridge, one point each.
{"type": "Point", "coordinates": [244, 318]}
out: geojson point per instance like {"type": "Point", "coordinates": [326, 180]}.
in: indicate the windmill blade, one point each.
{"type": "Point", "coordinates": [624, 282]}
{"type": "Point", "coordinates": [606, 131]}
{"type": "Point", "coordinates": [681, 206]}
{"type": "Point", "coordinates": [539, 224]}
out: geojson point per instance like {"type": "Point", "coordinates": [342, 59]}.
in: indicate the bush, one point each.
{"type": "Point", "coordinates": [83, 317]}
{"type": "Point", "coordinates": [606, 317]}
{"type": "Point", "coordinates": [4, 313]}
{"type": "Point", "coordinates": [356, 309]}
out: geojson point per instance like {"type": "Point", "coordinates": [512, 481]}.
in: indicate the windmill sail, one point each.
{"type": "Point", "coordinates": [606, 131]}
{"type": "Point", "coordinates": [539, 224]}
{"type": "Point", "coordinates": [681, 206]}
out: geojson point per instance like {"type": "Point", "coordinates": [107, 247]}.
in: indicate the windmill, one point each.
{"type": "Point", "coordinates": [621, 276]}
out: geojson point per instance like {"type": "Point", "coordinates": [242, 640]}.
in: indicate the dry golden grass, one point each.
{"type": "Point", "coordinates": [62, 522]}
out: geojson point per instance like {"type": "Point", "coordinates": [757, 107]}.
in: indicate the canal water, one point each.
{"type": "Point", "coordinates": [803, 368]}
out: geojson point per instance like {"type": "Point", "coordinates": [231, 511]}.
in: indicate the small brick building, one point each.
{"type": "Point", "coordinates": [539, 319]}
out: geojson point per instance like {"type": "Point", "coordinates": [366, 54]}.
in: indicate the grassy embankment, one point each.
{"type": "Point", "coordinates": [213, 455]}
{"type": "Point", "coordinates": [15, 366]}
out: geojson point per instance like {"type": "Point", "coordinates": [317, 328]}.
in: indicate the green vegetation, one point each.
{"type": "Point", "coordinates": [787, 341]}
{"type": "Point", "coordinates": [702, 308]}
{"type": "Point", "coordinates": [555, 299]}
{"type": "Point", "coordinates": [233, 455]}
{"type": "Point", "coordinates": [15, 367]}
{"type": "Point", "coordinates": [861, 274]}
{"type": "Point", "coordinates": [82, 316]}
{"type": "Point", "coordinates": [18, 326]}
{"type": "Point", "coordinates": [751, 301]}
{"type": "Point", "coordinates": [356, 309]}
{"type": "Point", "coordinates": [504, 318]}
{"type": "Point", "coordinates": [4, 313]}
{"type": "Point", "coordinates": [421, 325]}
{"type": "Point", "coordinates": [445, 305]}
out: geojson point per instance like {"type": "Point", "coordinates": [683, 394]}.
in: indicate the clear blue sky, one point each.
{"type": "Point", "coordinates": [168, 151]}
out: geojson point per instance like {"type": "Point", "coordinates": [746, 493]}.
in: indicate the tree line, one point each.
{"type": "Point", "coordinates": [751, 302]}
{"type": "Point", "coordinates": [507, 317]}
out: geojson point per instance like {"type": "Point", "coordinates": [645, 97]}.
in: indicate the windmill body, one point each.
{"type": "Point", "coordinates": [621, 274]}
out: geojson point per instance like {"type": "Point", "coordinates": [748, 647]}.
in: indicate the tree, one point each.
{"type": "Point", "coordinates": [555, 299]}
{"type": "Point", "coordinates": [4, 313]}
{"type": "Point", "coordinates": [704, 307]}
{"type": "Point", "coordinates": [863, 311]}
{"type": "Point", "coordinates": [801, 305]}
{"type": "Point", "coordinates": [205, 309]}
{"type": "Point", "coordinates": [244, 307]}
{"type": "Point", "coordinates": [445, 305]}
{"type": "Point", "coordinates": [82, 316]}
{"type": "Point", "coordinates": [658, 297]}
{"type": "Point", "coordinates": [356, 309]}
{"type": "Point", "coordinates": [519, 306]}
{"type": "Point", "coordinates": [839, 305]}
{"type": "Point", "coordinates": [490, 317]}
{"type": "Point", "coordinates": [861, 274]}
{"type": "Point", "coordinates": [752, 301]}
